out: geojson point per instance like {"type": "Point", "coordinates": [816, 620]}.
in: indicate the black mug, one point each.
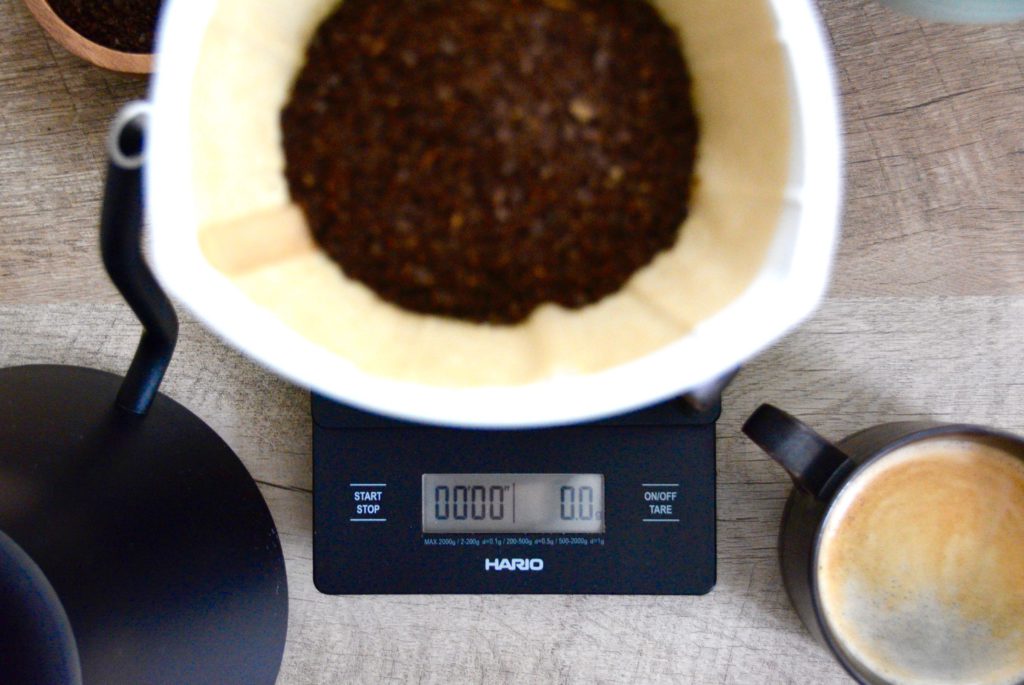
{"type": "Point", "coordinates": [827, 480]}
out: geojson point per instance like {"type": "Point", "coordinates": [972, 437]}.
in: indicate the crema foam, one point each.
{"type": "Point", "coordinates": [921, 565]}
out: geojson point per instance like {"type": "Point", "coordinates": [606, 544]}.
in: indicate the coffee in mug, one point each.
{"type": "Point", "coordinates": [921, 565]}
{"type": "Point", "coordinates": [902, 547]}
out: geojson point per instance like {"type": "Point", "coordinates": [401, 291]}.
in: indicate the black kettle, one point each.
{"type": "Point", "coordinates": [134, 545]}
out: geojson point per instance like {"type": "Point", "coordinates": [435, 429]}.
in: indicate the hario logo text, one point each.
{"type": "Point", "coordinates": [513, 564]}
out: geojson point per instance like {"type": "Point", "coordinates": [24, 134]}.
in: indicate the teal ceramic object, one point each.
{"type": "Point", "coordinates": [961, 11]}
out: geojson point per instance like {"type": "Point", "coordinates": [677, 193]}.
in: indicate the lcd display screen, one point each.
{"type": "Point", "coordinates": [513, 503]}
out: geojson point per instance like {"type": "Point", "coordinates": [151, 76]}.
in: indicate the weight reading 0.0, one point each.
{"type": "Point", "coordinates": [513, 503]}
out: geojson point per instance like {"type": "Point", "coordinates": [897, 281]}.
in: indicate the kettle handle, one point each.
{"type": "Point", "coordinates": [121, 247]}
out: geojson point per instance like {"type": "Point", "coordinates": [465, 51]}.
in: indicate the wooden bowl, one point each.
{"type": "Point", "coordinates": [77, 44]}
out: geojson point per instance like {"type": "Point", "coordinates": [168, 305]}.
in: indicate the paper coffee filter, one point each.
{"type": "Point", "coordinates": [249, 230]}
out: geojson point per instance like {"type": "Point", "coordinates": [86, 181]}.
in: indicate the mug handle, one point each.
{"type": "Point", "coordinates": [815, 465]}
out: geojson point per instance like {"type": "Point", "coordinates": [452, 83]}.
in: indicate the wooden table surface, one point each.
{"type": "Point", "coordinates": [925, 318]}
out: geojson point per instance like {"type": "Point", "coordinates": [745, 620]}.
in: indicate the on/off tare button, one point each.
{"type": "Point", "coordinates": [368, 503]}
{"type": "Point", "coordinates": [660, 502]}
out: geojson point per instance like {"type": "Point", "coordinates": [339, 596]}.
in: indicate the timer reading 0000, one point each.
{"type": "Point", "coordinates": [513, 503]}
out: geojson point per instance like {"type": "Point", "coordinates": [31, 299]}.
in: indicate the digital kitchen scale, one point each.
{"type": "Point", "coordinates": [625, 505]}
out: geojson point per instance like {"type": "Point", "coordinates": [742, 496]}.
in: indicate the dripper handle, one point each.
{"type": "Point", "coordinates": [816, 466]}
{"type": "Point", "coordinates": [704, 397]}
{"type": "Point", "coordinates": [121, 247]}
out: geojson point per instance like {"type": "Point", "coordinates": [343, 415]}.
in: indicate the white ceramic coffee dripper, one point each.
{"type": "Point", "coordinates": [790, 283]}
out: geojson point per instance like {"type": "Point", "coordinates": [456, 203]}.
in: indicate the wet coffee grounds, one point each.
{"type": "Point", "coordinates": [476, 158]}
{"type": "Point", "coordinates": [125, 25]}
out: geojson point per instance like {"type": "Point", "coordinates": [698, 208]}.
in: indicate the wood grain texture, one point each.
{"type": "Point", "coordinates": [935, 154]}
{"type": "Point", "coordinates": [925, 319]}
{"type": "Point", "coordinates": [54, 115]}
